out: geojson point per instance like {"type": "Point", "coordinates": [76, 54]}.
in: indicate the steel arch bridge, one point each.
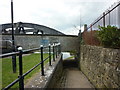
{"type": "Point", "coordinates": [26, 28]}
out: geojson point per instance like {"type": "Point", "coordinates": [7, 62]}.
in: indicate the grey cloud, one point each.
{"type": "Point", "coordinates": [59, 14]}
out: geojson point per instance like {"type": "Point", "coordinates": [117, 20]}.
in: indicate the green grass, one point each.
{"type": "Point", "coordinates": [28, 62]}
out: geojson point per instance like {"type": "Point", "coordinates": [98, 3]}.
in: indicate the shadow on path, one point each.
{"type": "Point", "coordinates": [70, 63]}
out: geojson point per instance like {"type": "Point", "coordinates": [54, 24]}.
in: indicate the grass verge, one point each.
{"type": "Point", "coordinates": [28, 62]}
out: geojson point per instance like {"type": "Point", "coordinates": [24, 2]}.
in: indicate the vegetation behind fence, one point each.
{"type": "Point", "coordinates": [110, 17]}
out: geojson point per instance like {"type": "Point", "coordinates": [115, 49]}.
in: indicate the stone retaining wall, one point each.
{"type": "Point", "coordinates": [101, 66]}
{"type": "Point", "coordinates": [51, 75]}
{"type": "Point", "coordinates": [68, 43]}
{"type": "Point", "coordinates": [56, 74]}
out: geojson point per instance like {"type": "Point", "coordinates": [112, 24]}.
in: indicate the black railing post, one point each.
{"type": "Point", "coordinates": [56, 50]}
{"type": "Point", "coordinates": [42, 62]}
{"type": "Point", "coordinates": [49, 54]}
{"type": "Point", "coordinates": [59, 48]}
{"type": "Point", "coordinates": [53, 52]}
{"type": "Point", "coordinates": [14, 63]}
{"type": "Point", "coordinates": [21, 81]}
{"type": "Point", "coordinates": [13, 40]}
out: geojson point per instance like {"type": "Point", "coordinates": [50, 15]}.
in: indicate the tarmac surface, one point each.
{"type": "Point", "coordinates": [72, 77]}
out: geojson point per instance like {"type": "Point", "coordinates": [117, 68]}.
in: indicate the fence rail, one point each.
{"type": "Point", "coordinates": [20, 79]}
{"type": "Point", "coordinates": [110, 17]}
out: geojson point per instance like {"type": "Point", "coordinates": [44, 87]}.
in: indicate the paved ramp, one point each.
{"type": "Point", "coordinates": [73, 77]}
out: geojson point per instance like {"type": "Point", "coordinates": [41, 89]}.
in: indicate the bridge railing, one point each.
{"type": "Point", "coordinates": [54, 50]}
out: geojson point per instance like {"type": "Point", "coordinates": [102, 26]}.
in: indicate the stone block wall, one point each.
{"type": "Point", "coordinates": [56, 74]}
{"type": "Point", "coordinates": [68, 42]}
{"type": "Point", "coordinates": [101, 66]}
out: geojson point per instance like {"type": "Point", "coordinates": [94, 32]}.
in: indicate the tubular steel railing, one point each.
{"type": "Point", "coordinates": [20, 79]}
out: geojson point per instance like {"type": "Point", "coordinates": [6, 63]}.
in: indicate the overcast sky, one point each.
{"type": "Point", "coordinates": [62, 15]}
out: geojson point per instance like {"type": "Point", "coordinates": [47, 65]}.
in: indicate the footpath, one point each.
{"type": "Point", "coordinates": [72, 77]}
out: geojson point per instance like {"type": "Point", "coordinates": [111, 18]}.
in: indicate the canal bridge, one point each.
{"type": "Point", "coordinates": [91, 67]}
{"type": "Point", "coordinates": [26, 28]}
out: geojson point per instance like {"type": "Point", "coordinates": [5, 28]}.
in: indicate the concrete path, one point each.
{"type": "Point", "coordinates": [73, 77]}
{"type": "Point", "coordinates": [76, 79]}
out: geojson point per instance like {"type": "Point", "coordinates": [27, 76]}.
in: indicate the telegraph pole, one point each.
{"type": "Point", "coordinates": [13, 40]}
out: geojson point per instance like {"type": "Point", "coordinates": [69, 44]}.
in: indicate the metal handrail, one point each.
{"type": "Point", "coordinates": [9, 54]}
{"type": "Point", "coordinates": [16, 53]}
{"type": "Point", "coordinates": [20, 79]}
{"type": "Point", "coordinates": [30, 50]}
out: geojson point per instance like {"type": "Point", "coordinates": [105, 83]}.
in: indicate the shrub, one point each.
{"type": "Point", "coordinates": [109, 36]}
